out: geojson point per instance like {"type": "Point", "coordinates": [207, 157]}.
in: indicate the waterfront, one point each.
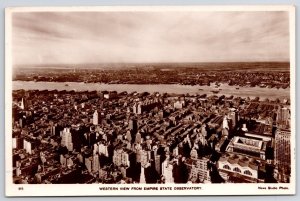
{"type": "Point", "coordinates": [224, 89]}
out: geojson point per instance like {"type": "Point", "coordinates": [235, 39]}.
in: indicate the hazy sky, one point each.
{"type": "Point", "coordinates": [94, 37]}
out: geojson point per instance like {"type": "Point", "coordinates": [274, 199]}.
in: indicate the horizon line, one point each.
{"type": "Point", "coordinates": [119, 63]}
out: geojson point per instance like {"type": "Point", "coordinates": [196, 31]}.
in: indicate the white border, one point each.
{"type": "Point", "coordinates": [93, 189]}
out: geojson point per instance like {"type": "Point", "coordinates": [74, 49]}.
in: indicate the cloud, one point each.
{"type": "Point", "coordinates": [40, 38]}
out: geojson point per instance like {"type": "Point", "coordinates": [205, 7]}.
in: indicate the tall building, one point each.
{"type": "Point", "coordinates": [125, 159]}
{"type": "Point", "coordinates": [103, 149]}
{"type": "Point", "coordinates": [121, 158]}
{"type": "Point", "coordinates": [145, 158]}
{"type": "Point", "coordinates": [66, 138]}
{"type": "Point", "coordinates": [95, 148]}
{"type": "Point", "coordinates": [95, 118]}
{"type": "Point", "coordinates": [157, 164]}
{"type": "Point", "coordinates": [66, 160]}
{"type": "Point", "coordinates": [18, 143]}
{"type": "Point", "coordinates": [283, 154]}
{"type": "Point", "coordinates": [234, 117]}
{"type": "Point", "coordinates": [128, 136]}
{"type": "Point", "coordinates": [176, 151]}
{"type": "Point", "coordinates": [63, 161]}
{"type": "Point", "coordinates": [134, 108]}
{"type": "Point", "coordinates": [198, 170]}
{"type": "Point", "coordinates": [89, 164]}
{"type": "Point", "coordinates": [225, 123]}
{"type": "Point", "coordinates": [22, 104]}
{"type": "Point", "coordinates": [202, 139]}
{"type": "Point", "coordinates": [203, 130]}
{"type": "Point", "coordinates": [21, 122]}
{"type": "Point", "coordinates": [133, 126]}
{"type": "Point", "coordinates": [225, 127]}
{"type": "Point", "coordinates": [27, 145]}
{"type": "Point", "coordinates": [95, 163]}
{"type": "Point", "coordinates": [14, 143]}
{"type": "Point", "coordinates": [70, 162]}
{"type": "Point", "coordinates": [194, 154]}
{"type": "Point", "coordinates": [142, 177]}
{"type": "Point", "coordinates": [283, 117]}
{"type": "Point", "coordinates": [53, 130]}
{"type": "Point", "coordinates": [139, 109]}
{"type": "Point", "coordinates": [167, 171]}
{"type": "Point", "coordinates": [117, 157]}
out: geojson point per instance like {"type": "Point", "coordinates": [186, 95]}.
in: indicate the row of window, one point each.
{"type": "Point", "coordinates": [236, 169]}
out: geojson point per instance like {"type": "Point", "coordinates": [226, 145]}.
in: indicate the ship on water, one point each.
{"type": "Point", "coordinates": [215, 91]}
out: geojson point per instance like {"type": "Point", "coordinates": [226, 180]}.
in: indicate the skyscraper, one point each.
{"type": "Point", "coordinates": [283, 117]}
{"type": "Point", "coordinates": [66, 138]}
{"type": "Point", "coordinates": [134, 108]}
{"type": "Point", "coordinates": [199, 170]}
{"type": "Point", "coordinates": [283, 154]}
{"type": "Point", "coordinates": [133, 124]}
{"type": "Point", "coordinates": [95, 118]}
{"type": "Point", "coordinates": [139, 109]}
{"type": "Point", "coordinates": [203, 130]}
{"type": "Point", "coordinates": [202, 139]}
{"type": "Point", "coordinates": [22, 104]}
{"type": "Point", "coordinates": [142, 177]}
{"type": "Point", "coordinates": [167, 171]}
{"type": "Point", "coordinates": [125, 159]}
{"type": "Point", "coordinates": [194, 153]}
{"type": "Point", "coordinates": [233, 116]}
{"type": "Point", "coordinates": [117, 157]}
{"type": "Point", "coordinates": [133, 127]}
{"type": "Point", "coordinates": [63, 160]}
{"type": "Point", "coordinates": [225, 123]}
{"type": "Point", "coordinates": [96, 164]}
{"type": "Point", "coordinates": [157, 163]}
{"type": "Point", "coordinates": [89, 164]}
{"type": "Point", "coordinates": [27, 146]}
{"type": "Point", "coordinates": [145, 158]}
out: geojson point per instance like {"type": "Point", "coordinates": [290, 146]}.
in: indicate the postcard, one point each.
{"type": "Point", "coordinates": [150, 100]}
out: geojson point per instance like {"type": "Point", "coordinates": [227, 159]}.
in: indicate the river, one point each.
{"type": "Point", "coordinates": [224, 89]}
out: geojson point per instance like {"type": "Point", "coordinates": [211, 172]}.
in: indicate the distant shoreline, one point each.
{"type": "Point", "coordinates": [270, 93]}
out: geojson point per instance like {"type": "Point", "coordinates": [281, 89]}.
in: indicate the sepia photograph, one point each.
{"type": "Point", "coordinates": [161, 100]}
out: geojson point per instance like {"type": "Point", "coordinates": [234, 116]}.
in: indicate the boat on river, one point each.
{"type": "Point", "coordinates": [215, 91]}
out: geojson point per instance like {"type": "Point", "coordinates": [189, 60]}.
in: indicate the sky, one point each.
{"type": "Point", "coordinates": [45, 38]}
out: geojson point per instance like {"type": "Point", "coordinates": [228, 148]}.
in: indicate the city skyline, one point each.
{"type": "Point", "coordinates": [40, 38]}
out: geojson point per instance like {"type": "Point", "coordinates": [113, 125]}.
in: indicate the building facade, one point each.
{"type": "Point", "coordinates": [282, 154]}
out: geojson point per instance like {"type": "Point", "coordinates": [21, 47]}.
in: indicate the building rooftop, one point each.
{"type": "Point", "coordinates": [241, 160]}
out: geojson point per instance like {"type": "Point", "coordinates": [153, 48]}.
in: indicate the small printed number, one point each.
{"type": "Point", "coordinates": [20, 188]}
